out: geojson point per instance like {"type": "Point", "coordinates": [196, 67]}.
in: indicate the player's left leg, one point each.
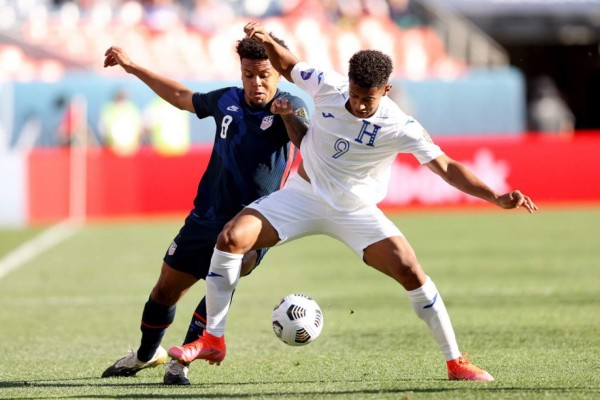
{"type": "Point", "coordinates": [371, 235]}
{"type": "Point", "coordinates": [395, 257]}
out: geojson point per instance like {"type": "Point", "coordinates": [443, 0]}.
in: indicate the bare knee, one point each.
{"type": "Point", "coordinates": [249, 230]}
{"type": "Point", "coordinates": [229, 240]}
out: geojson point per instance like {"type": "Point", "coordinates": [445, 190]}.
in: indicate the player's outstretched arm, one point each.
{"type": "Point", "coordinates": [173, 92]}
{"type": "Point", "coordinates": [459, 176]}
{"type": "Point", "coordinates": [281, 58]}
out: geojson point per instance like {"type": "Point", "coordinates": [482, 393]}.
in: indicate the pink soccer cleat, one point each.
{"type": "Point", "coordinates": [207, 347]}
{"type": "Point", "coordinates": [461, 369]}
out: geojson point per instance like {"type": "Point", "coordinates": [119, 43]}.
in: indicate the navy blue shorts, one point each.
{"type": "Point", "coordinates": [192, 248]}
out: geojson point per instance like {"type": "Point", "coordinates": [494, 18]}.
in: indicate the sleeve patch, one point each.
{"type": "Point", "coordinates": [301, 112]}
{"type": "Point", "coordinates": [305, 75]}
{"type": "Point", "coordinates": [426, 136]}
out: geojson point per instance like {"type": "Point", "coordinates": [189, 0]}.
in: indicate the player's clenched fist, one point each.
{"type": "Point", "coordinates": [256, 31]}
{"type": "Point", "coordinates": [282, 106]}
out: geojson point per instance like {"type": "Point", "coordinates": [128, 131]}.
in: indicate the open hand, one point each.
{"type": "Point", "coordinates": [516, 199]}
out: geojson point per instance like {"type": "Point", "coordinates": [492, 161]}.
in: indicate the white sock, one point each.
{"type": "Point", "coordinates": [429, 306]}
{"type": "Point", "coordinates": [222, 278]}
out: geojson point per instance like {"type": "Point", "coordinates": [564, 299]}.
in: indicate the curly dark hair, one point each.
{"type": "Point", "coordinates": [370, 68]}
{"type": "Point", "coordinates": [253, 50]}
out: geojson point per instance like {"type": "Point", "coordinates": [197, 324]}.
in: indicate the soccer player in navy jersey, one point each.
{"type": "Point", "coordinates": [251, 157]}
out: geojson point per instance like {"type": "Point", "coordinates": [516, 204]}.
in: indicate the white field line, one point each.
{"type": "Point", "coordinates": [29, 250]}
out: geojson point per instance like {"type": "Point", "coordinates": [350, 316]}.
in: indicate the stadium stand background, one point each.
{"type": "Point", "coordinates": [437, 58]}
{"type": "Point", "coordinates": [46, 40]}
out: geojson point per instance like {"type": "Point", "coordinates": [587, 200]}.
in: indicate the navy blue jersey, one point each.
{"type": "Point", "coordinates": [251, 156]}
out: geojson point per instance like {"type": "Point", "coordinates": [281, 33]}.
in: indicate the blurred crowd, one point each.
{"type": "Point", "coordinates": [194, 39]}
{"type": "Point", "coordinates": [204, 15]}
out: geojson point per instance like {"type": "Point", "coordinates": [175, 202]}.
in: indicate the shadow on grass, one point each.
{"type": "Point", "coordinates": [483, 388]}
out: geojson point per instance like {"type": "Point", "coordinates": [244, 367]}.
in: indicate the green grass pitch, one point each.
{"type": "Point", "coordinates": [523, 292]}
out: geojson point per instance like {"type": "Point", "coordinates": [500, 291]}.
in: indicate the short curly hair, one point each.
{"type": "Point", "coordinates": [253, 50]}
{"type": "Point", "coordinates": [370, 68]}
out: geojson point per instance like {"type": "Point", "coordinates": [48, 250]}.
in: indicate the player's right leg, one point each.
{"type": "Point", "coordinates": [176, 372]}
{"type": "Point", "coordinates": [283, 215]}
{"type": "Point", "coordinates": [178, 273]}
{"type": "Point", "coordinates": [130, 364]}
{"type": "Point", "coordinates": [247, 231]}
{"type": "Point", "coordinates": [158, 314]}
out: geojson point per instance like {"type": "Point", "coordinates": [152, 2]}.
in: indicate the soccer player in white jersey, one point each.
{"type": "Point", "coordinates": [354, 136]}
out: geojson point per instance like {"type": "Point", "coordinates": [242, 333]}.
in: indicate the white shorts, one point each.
{"type": "Point", "coordinates": [295, 211]}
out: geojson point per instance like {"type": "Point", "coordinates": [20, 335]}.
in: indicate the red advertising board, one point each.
{"type": "Point", "coordinates": [549, 169]}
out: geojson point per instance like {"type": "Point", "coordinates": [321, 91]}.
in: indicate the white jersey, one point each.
{"type": "Point", "coordinates": [348, 159]}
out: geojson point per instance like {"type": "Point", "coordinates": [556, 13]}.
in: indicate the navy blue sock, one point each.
{"type": "Point", "coordinates": [156, 318]}
{"type": "Point", "coordinates": [198, 323]}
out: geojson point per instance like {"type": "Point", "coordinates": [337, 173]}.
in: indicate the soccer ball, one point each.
{"type": "Point", "coordinates": [297, 320]}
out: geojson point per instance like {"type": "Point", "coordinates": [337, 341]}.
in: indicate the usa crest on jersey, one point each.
{"type": "Point", "coordinates": [172, 248]}
{"type": "Point", "coordinates": [267, 122]}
